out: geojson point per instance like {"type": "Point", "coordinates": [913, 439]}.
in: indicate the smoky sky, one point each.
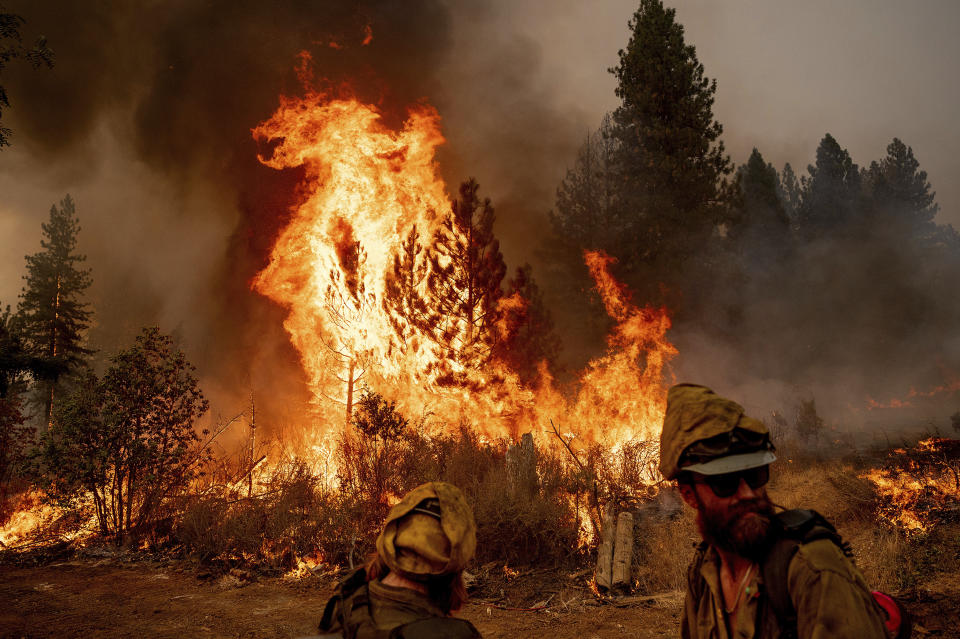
{"type": "Point", "coordinates": [145, 119]}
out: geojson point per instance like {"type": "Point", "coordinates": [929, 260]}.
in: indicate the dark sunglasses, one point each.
{"type": "Point", "coordinates": [727, 485]}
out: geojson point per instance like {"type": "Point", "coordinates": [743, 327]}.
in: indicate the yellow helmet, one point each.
{"type": "Point", "coordinates": [430, 532]}
{"type": "Point", "coordinates": [709, 434]}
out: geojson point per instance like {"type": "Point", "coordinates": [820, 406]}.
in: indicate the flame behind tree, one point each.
{"type": "Point", "coordinates": [383, 277]}
{"type": "Point", "coordinates": [525, 333]}
{"type": "Point", "coordinates": [626, 384]}
{"type": "Point", "coordinates": [365, 187]}
{"type": "Point", "coordinates": [466, 271]}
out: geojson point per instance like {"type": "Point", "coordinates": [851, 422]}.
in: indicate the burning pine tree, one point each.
{"type": "Point", "coordinates": [392, 286]}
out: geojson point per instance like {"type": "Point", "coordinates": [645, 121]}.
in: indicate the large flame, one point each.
{"type": "Point", "coordinates": [371, 196]}
{"type": "Point", "coordinates": [366, 188]}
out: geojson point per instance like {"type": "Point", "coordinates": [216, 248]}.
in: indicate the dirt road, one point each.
{"type": "Point", "coordinates": [105, 598]}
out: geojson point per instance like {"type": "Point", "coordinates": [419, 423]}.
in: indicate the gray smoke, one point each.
{"type": "Point", "coordinates": [145, 119]}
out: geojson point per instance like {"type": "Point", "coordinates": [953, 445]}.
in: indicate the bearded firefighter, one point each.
{"type": "Point", "coordinates": [414, 583]}
{"type": "Point", "coordinates": [757, 574]}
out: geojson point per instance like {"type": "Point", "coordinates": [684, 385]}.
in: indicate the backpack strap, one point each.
{"type": "Point", "coordinates": [793, 528]}
{"type": "Point", "coordinates": [335, 613]}
{"type": "Point", "coordinates": [436, 628]}
{"type": "Point", "coordinates": [694, 580]}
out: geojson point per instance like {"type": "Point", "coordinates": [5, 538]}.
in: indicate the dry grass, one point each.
{"type": "Point", "coordinates": [664, 548]}
{"type": "Point", "coordinates": [296, 515]}
{"type": "Point", "coordinates": [891, 560]}
{"type": "Point", "coordinates": [541, 525]}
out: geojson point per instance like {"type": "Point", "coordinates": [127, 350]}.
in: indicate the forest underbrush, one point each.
{"type": "Point", "coordinates": [537, 510]}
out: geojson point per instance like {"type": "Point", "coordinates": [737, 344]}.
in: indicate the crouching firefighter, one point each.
{"type": "Point", "coordinates": [409, 589]}
{"type": "Point", "coordinates": [757, 574]}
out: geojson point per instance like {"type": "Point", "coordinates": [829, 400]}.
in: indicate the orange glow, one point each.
{"type": "Point", "coordinates": [370, 194]}
{"type": "Point", "coordinates": [25, 523]}
{"type": "Point", "coordinates": [918, 484]}
{"type": "Point", "coordinates": [950, 385]}
{"type": "Point", "coordinates": [36, 518]}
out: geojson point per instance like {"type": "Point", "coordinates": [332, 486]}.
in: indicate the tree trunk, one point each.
{"type": "Point", "coordinates": [118, 504]}
{"type": "Point", "coordinates": [130, 486]}
{"type": "Point", "coordinates": [604, 574]}
{"type": "Point", "coordinates": [253, 443]}
{"type": "Point", "coordinates": [623, 551]}
{"type": "Point", "coordinates": [350, 392]}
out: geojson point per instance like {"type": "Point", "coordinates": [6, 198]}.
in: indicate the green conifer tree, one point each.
{"type": "Point", "coordinates": [789, 191]}
{"type": "Point", "coordinates": [902, 200]}
{"type": "Point", "coordinates": [672, 162]}
{"type": "Point", "coordinates": [831, 201]}
{"type": "Point", "coordinates": [587, 208]}
{"type": "Point", "coordinates": [51, 311]}
{"type": "Point", "coordinates": [762, 231]}
{"type": "Point", "coordinates": [464, 284]}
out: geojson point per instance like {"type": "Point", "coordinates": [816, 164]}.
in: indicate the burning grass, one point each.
{"type": "Point", "coordinates": [299, 520]}
{"type": "Point", "coordinates": [297, 514]}
{"type": "Point", "coordinates": [920, 485]}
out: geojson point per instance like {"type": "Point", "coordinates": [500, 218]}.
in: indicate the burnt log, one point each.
{"type": "Point", "coordinates": [623, 551]}
{"type": "Point", "coordinates": [604, 573]}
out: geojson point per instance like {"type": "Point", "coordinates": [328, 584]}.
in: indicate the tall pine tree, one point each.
{"type": "Point", "coordinates": [52, 312]}
{"type": "Point", "coordinates": [762, 231]}
{"type": "Point", "coordinates": [901, 196]}
{"type": "Point", "coordinates": [464, 284]}
{"type": "Point", "coordinates": [588, 197]}
{"type": "Point", "coordinates": [831, 201]}
{"type": "Point", "coordinates": [671, 158]}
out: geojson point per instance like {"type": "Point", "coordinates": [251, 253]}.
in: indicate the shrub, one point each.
{"type": "Point", "coordinates": [127, 439]}
{"type": "Point", "coordinates": [269, 530]}
{"type": "Point", "coordinates": [664, 547]}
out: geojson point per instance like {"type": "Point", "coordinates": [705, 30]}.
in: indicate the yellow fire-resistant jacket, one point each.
{"type": "Point", "coordinates": [829, 594]}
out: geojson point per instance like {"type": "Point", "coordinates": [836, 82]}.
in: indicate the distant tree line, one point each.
{"type": "Point", "coordinates": [795, 271]}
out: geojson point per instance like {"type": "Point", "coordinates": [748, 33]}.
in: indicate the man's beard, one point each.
{"type": "Point", "coordinates": [746, 528]}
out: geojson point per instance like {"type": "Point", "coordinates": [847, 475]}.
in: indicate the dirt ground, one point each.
{"type": "Point", "coordinates": [104, 598]}
{"type": "Point", "coordinates": [91, 597]}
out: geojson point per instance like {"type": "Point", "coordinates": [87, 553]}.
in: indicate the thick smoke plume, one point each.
{"type": "Point", "coordinates": [146, 118]}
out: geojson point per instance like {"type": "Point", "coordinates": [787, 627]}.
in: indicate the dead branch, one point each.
{"type": "Point", "coordinates": [566, 445]}
{"type": "Point", "coordinates": [591, 511]}
{"type": "Point", "coordinates": [540, 606]}
{"type": "Point", "coordinates": [220, 430]}
{"type": "Point", "coordinates": [233, 483]}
